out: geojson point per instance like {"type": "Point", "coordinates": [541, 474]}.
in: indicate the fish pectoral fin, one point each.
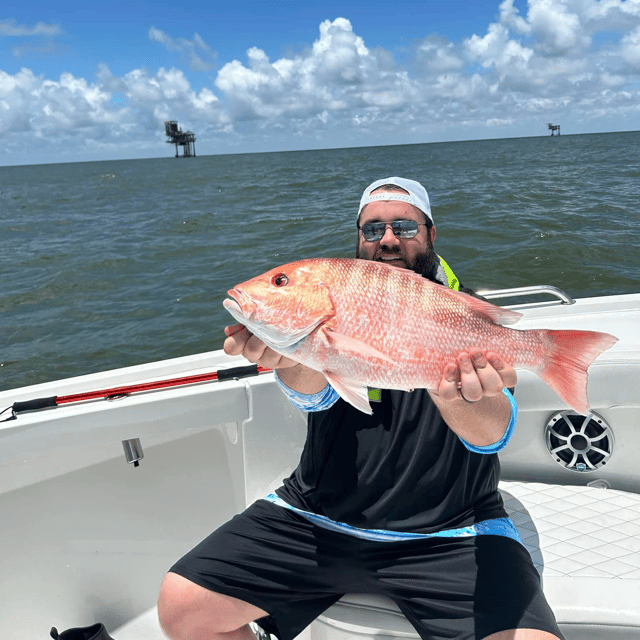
{"type": "Point", "coordinates": [293, 337]}
{"type": "Point", "coordinates": [352, 392]}
{"type": "Point", "coordinates": [288, 339]}
{"type": "Point", "coordinates": [346, 343]}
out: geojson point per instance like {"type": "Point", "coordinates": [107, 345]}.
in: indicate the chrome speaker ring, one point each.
{"type": "Point", "coordinates": [577, 442]}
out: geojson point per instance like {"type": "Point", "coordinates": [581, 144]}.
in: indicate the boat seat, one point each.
{"type": "Point", "coordinates": [584, 542]}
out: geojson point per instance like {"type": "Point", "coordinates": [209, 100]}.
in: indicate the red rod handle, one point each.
{"type": "Point", "coordinates": [223, 374]}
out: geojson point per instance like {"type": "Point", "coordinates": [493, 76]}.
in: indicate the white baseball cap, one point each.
{"type": "Point", "coordinates": [416, 194]}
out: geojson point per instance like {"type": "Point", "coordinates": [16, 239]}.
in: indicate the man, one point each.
{"type": "Point", "coordinates": [402, 503]}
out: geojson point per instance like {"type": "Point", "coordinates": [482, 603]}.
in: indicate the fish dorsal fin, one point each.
{"type": "Point", "coordinates": [496, 314]}
{"type": "Point", "coordinates": [352, 392]}
{"type": "Point", "coordinates": [343, 342]}
{"type": "Point", "coordinates": [492, 312]}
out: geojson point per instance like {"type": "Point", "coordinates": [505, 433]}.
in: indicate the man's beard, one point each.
{"type": "Point", "coordinates": [426, 263]}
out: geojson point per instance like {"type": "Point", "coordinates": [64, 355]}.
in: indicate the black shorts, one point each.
{"type": "Point", "coordinates": [462, 588]}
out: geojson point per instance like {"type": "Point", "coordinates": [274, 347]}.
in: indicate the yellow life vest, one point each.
{"type": "Point", "coordinates": [452, 280]}
{"type": "Point", "coordinates": [375, 395]}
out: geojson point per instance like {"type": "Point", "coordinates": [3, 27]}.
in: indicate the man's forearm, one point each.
{"type": "Point", "coordinates": [480, 423]}
{"type": "Point", "coordinates": [302, 379]}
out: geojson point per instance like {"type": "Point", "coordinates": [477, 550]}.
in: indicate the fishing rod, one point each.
{"type": "Point", "coordinates": [119, 392]}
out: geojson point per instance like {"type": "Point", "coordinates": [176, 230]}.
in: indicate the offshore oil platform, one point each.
{"type": "Point", "coordinates": [554, 128]}
{"type": "Point", "coordinates": [184, 139]}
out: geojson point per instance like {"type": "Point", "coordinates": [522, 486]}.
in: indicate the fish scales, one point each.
{"type": "Point", "coordinates": [367, 324]}
{"type": "Point", "coordinates": [415, 329]}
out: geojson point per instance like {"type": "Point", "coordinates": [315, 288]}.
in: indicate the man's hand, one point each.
{"type": "Point", "coordinates": [470, 396]}
{"type": "Point", "coordinates": [475, 375]}
{"type": "Point", "coordinates": [240, 341]}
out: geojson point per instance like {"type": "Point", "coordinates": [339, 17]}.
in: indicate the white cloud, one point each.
{"type": "Point", "coordinates": [46, 48]}
{"type": "Point", "coordinates": [157, 97]}
{"type": "Point", "coordinates": [50, 108]}
{"type": "Point", "coordinates": [567, 26]}
{"type": "Point", "coordinates": [522, 70]}
{"type": "Point", "coordinates": [197, 52]}
{"type": "Point", "coordinates": [73, 113]}
{"type": "Point", "coordinates": [547, 59]}
{"type": "Point", "coordinates": [630, 48]}
{"type": "Point", "coordinates": [12, 28]}
{"type": "Point", "coordinates": [436, 54]}
{"type": "Point", "coordinates": [496, 49]}
{"type": "Point", "coordinates": [510, 17]}
{"type": "Point", "coordinates": [337, 73]}
{"type": "Point", "coordinates": [557, 27]}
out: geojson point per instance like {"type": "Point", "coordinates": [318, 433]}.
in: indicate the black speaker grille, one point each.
{"type": "Point", "coordinates": [577, 442]}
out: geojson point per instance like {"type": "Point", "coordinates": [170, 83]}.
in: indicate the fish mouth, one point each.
{"type": "Point", "coordinates": [232, 307]}
{"type": "Point", "coordinates": [239, 306]}
{"type": "Point", "coordinates": [242, 308]}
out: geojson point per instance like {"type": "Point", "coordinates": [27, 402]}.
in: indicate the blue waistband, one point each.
{"type": "Point", "coordinates": [494, 527]}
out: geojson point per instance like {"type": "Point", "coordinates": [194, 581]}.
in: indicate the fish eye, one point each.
{"type": "Point", "coordinates": [280, 280]}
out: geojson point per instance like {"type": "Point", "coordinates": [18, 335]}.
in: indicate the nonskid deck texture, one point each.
{"type": "Point", "coordinates": [577, 531]}
{"type": "Point", "coordinates": [584, 541]}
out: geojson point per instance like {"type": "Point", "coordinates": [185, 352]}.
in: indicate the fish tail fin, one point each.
{"type": "Point", "coordinates": [569, 355]}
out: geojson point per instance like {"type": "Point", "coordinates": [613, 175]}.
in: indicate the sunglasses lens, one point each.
{"type": "Point", "coordinates": [373, 231]}
{"type": "Point", "coordinates": [405, 228]}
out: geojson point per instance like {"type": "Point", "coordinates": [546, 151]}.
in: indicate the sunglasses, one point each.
{"type": "Point", "coordinates": [373, 231]}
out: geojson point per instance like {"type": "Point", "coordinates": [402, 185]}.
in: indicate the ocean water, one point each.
{"type": "Point", "coordinates": [110, 264]}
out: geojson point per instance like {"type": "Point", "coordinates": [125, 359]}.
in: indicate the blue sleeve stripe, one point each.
{"type": "Point", "coordinates": [309, 402]}
{"type": "Point", "coordinates": [502, 443]}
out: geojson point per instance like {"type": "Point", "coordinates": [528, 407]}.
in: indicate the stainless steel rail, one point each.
{"type": "Point", "coordinates": [528, 291]}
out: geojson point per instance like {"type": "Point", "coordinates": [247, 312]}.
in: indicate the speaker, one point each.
{"type": "Point", "coordinates": [579, 443]}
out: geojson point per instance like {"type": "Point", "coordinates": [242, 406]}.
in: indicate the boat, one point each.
{"type": "Point", "coordinates": [101, 492]}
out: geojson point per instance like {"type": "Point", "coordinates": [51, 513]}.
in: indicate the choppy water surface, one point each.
{"type": "Point", "coordinates": [109, 264]}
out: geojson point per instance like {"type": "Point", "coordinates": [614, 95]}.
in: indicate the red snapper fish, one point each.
{"type": "Point", "coordinates": [367, 324]}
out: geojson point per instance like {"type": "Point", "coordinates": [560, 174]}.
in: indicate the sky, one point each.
{"type": "Point", "coordinates": [96, 81]}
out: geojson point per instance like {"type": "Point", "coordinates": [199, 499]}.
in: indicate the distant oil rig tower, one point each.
{"type": "Point", "coordinates": [554, 128]}
{"type": "Point", "coordinates": [184, 139]}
